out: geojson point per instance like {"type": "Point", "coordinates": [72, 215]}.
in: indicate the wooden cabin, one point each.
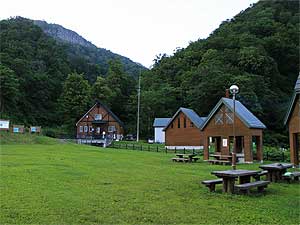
{"type": "Point", "coordinates": [292, 120]}
{"type": "Point", "coordinates": [159, 133]}
{"type": "Point", "coordinates": [218, 131]}
{"type": "Point", "coordinates": [183, 130]}
{"type": "Point", "coordinates": [99, 122]}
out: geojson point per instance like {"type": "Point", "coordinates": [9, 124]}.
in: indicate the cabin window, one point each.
{"type": "Point", "coordinates": [219, 118]}
{"type": "Point", "coordinates": [111, 129]}
{"type": "Point", "coordinates": [184, 122]}
{"type": "Point", "coordinates": [192, 124]}
{"type": "Point", "coordinates": [81, 129]}
{"type": "Point", "coordinates": [98, 116]}
{"type": "Point", "coordinates": [90, 129]}
{"type": "Point", "coordinates": [178, 122]}
{"type": "Point", "coordinates": [229, 117]}
{"type": "Point", "coordinates": [85, 129]}
{"type": "Point", "coordinates": [98, 130]}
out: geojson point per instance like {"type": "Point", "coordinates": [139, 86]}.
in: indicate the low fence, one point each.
{"type": "Point", "coordinates": [268, 155]}
{"type": "Point", "coordinates": [154, 148]}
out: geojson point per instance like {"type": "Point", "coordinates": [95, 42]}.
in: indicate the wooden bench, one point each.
{"type": "Point", "coordinates": [222, 162]}
{"type": "Point", "coordinates": [261, 173]}
{"type": "Point", "coordinates": [180, 160]}
{"type": "Point", "coordinates": [211, 184]}
{"type": "Point", "coordinates": [195, 159]}
{"type": "Point", "coordinates": [245, 188]}
{"type": "Point", "coordinates": [291, 176]}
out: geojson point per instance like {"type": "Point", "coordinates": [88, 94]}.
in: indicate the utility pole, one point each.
{"type": "Point", "coordinates": [138, 110]}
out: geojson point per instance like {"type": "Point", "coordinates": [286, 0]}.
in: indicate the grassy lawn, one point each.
{"type": "Point", "coordinates": [78, 184]}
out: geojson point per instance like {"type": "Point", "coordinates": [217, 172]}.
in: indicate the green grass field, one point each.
{"type": "Point", "coordinates": [78, 184]}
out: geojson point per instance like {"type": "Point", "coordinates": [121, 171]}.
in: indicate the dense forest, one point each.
{"type": "Point", "coordinates": [41, 84]}
{"type": "Point", "coordinates": [258, 50]}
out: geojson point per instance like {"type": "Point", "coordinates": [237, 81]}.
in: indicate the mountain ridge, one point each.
{"type": "Point", "coordinates": [79, 47]}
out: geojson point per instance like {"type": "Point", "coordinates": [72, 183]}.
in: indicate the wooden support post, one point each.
{"type": "Point", "coordinates": [259, 148]}
{"type": "Point", "coordinates": [206, 146]}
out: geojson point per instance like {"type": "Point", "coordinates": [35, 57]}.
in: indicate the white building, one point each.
{"type": "Point", "coordinates": [159, 134]}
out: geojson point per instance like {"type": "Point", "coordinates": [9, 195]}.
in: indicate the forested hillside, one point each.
{"type": "Point", "coordinates": [258, 50]}
{"type": "Point", "coordinates": [79, 50]}
{"type": "Point", "coordinates": [41, 85]}
{"type": "Point", "coordinates": [44, 82]}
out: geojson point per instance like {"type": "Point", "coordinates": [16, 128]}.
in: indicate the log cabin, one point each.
{"type": "Point", "coordinates": [99, 122]}
{"type": "Point", "coordinates": [292, 120]}
{"type": "Point", "coordinates": [183, 130]}
{"type": "Point", "coordinates": [218, 131]}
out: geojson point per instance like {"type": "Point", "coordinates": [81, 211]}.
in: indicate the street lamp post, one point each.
{"type": "Point", "coordinates": [234, 90]}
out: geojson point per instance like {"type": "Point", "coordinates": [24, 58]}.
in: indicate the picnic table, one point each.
{"type": "Point", "coordinates": [186, 157]}
{"type": "Point", "coordinates": [276, 170]}
{"type": "Point", "coordinates": [219, 157]}
{"type": "Point", "coordinates": [229, 177]}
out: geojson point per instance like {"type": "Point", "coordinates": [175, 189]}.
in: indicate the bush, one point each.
{"type": "Point", "coordinates": [58, 132]}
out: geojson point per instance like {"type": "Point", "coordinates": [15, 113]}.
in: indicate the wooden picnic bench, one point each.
{"type": "Point", "coordinates": [291, 176]}
{"type": "Point", "coordinates": [180, 160]}
{"type": "Point", "coordinates": [245, 188]}
{"type": "Point", "coordinates": [211, 184]}
{"type": "Point", "coordinates": [261, 173]}
{"type": "Point", "coordinates": [185, 158]}
{"type": "Point", "coordinates": [216, 161]}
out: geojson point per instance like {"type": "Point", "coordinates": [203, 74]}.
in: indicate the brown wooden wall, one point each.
{"type": "Point", "coordinates": [105, 116]}
{"type": "Point", "coordinates": [294, 128]}
{"type": "Point", "coordinates": [294, 122]}
{"type": "Point", "coordinates": [189, 136]}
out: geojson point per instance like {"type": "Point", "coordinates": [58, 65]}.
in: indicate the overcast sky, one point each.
{"type": "Point", "coordinates": [138, 29]}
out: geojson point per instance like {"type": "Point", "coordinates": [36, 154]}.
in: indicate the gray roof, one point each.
{"type": "Point", "coordinates": [242, 113]}
{"type": "Point", "coordinates": [161, 122]}
{"type": "Point", "coordinates": [191, 114]}
{"type": "Point", "coordinates": [292, 103]}
{"type": "Point", "coordinates": [297, 86]}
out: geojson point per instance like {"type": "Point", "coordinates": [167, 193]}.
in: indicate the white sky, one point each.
{"type": "Point", "coordinates": [137, 29]}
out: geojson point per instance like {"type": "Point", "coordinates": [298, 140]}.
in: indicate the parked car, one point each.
{"type": "Point", "coordinates": [130, 137]}
{"type": "Point", "coordinates": [150, 140]}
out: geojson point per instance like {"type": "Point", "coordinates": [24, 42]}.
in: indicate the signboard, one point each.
{"type": "Point", "coordinates": [16, 130]}
{"type": "Point", "coordinates": [33, 129]}
{"type": "Point", "coordinates": [224, 142]}
{"type": "Point", "coordinates": [4, 124]}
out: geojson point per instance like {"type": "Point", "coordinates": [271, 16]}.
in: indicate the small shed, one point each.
{"type": "Point", "coordinates": [35, 129]}
{"type": "Point", "coordinates": [183, 130]}
{"type": "Point", "coordinates": [292, 120]}
{"type": "Point", "coordinates": [18, 129]}
{"type": "Point", "coordinates": [218, 131]}
{"type": "Point", "coordinates": [159, 134]}
{"type": "Point", "coordinates": [4, 125]}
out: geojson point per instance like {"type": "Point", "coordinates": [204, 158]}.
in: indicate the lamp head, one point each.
{"type": "Point", "coordinates": [234, 89]}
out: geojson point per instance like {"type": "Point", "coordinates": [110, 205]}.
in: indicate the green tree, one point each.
{"type": "Point", "coordinates": [9, 89]}
{"type": "Point", "coordinates": [101, 91]}
{"type": "Point", "coordinates": [75, 98]}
